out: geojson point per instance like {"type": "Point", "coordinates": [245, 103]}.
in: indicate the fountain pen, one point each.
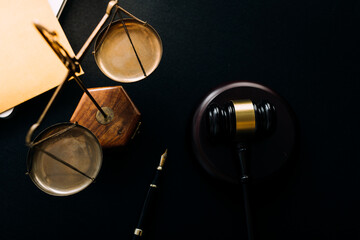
{"type": "Point", "coordinates": [149, 198]}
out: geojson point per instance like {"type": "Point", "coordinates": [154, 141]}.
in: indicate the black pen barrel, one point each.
{"type": "Point", "coordinates": [147, 206]}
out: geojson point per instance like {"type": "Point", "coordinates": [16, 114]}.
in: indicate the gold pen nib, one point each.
{"type": "Point", "coordinates": [162, 159]}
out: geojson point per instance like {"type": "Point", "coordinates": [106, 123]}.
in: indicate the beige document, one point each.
{"type": "Point", "coordinates": [28, 66]}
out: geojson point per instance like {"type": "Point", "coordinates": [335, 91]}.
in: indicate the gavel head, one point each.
{"type": "Point", "coordinates": [240, 119]}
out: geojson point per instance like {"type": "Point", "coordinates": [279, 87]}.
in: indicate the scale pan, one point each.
{"type": "Point", "coordinates": [78, 159]}
{"type": "Point", "coordinates": [115, 56]}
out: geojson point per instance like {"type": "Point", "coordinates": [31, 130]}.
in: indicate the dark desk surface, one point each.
{"type": "Point", "coordinates": [308, 52]}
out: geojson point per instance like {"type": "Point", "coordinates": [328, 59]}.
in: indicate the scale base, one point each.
{"type": "Point", "coordinates": [125, 116]}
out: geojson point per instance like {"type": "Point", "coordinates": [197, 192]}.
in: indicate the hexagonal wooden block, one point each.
{"type": "Point", "coordinates": [125, 121]}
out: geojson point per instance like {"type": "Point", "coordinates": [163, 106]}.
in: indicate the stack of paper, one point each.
{"type": "Point", "coordinates": [28, 66]}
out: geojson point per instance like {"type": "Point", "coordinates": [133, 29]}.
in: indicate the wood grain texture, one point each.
{"type": "Point", "coordinates": [126, 116]}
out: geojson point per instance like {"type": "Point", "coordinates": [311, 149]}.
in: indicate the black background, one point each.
{"type": "Point", "coordinates": [307, 51]}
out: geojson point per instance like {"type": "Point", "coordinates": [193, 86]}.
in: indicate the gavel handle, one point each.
{"type": "Point", "coordinates": [244, 179]}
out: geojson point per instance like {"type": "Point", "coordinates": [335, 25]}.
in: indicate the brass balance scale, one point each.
{"type": "Point", "coordinates": [66, 158]}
